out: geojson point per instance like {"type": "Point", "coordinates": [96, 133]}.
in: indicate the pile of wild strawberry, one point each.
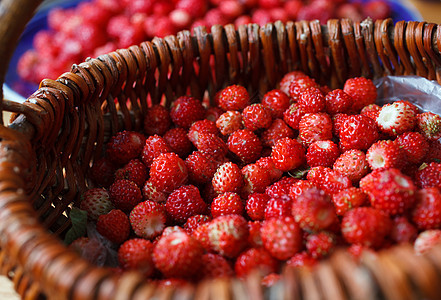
{"type": "Point", "coordinates": [100, 26]}
{"type": "Point", "coordinates": [242, 186]}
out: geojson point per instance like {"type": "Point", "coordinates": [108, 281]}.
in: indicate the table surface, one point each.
{"type": "Point", "coordinates": [431, 12]}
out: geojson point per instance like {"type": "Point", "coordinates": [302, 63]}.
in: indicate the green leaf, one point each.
{"type": "Point", "coordinates": [78, 218]}
{"type": "Point", "coordinates": [299, 173]}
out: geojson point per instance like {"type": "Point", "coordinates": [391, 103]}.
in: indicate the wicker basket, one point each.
{"type": "Point", "coordinates": [46, 151]}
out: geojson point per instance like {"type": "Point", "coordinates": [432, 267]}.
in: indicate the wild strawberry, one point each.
{"type": "Point", "coordinates": [321, 244]}
{"type": "Point", "coordinates": [357, 132]}
{"type": "Point", "coordinates": [352, 164]}
{"type": "Point", "coordinates": [372, 111]}
{"type": "Point", "coordinates": [215, 266]}
{"type": "Point", "coordinates": [234, 97]}
{"type": "Point", "coordinates": [154, 146]}
{"type": "Point", "coordinates": [245, 145]}
{"type": "Point", "coordinates": [337, 121]}
{"type": "Point", "coordinates": [186, 110]}
{"type": "Point", "coordinates": [427, 211]}
{"type": "Point", "coordinates": [288, 78]}
{"type": "Point", "coordinates": [385, 154]}
{"type": "Point", "coordinates": [254, 237]}
{"type": "Point", "coordinates": [270, 280]}
{"type": "Point", "coordinates": [168, 172]}
{"type": "Point", "coordinates": [429, 175]}
{"type": "Point", "coordinates": [348, 199]}
{"type": "Point", "coordinates": [362, 90]}
{"type": "Point", "coordinates": [125, 194]}
{"type": "Point", "coordinates": [328, 180]}
{"type": "Point", "coordinates": [302, 259]}
{"type": "Point", "coordinates": [255, 206]}
{"type": "Point", "coordinates": [267, 164]}
{"type": "Point", "coordinates": [102, 172]}
{"type": "Point", "coordinates": [298, 188]}
{"type": "Point", "coordinates": [316, 10]}
{"type": "Point", "coordinates": [297, 86]}
{"type": "Point", "coordinates": [429, 125]}
{"type": "Point", "coordinates": [288, 154]}
{"type": "Point", "coordinates": [124, 146]}
{"type": "Point", "coordinates": [315, 127]}
{"type": "Point", "coordinates": [434, 155]}
{"type": "Point", "coordinates": [313, 210]}
{"type": "Point", "coordinates": [201, 126]}
{"type": "Point", "coordinates": [413, 145]}
{"type": "Point", "coordinates": [201, 167]}
{"type": "Point", "coordinates": [96, 202]}
{"type": "Point", "coordinates": [255, 260]}
{"type": "Point", "coordinates": [178, 255]}
{"type": "Point", "coordinates": [278, 208]}
{"type": "Point", "coordinates": [255, 179]}
{"type": "Point", "coordinates": [148, 219]}
{"type": "Point", "coordinates": [277, 102]}
{"type": "Point", "coordinates": [403, 231]}
{"type": "Point", "coordinates": [185, 202]}
{"type": "Point", "coordinates": [377, 9]}
{"type": "Point", "coordinates": [293, 115]}
{"type": "Point", "coordinates": [196, 8]}
{"type": "Point", "coordinates": [211, 145]}
{"type": "Point", "coordinates": [322, 153]}
{"type": "Point", "coordinates": [337, 101]}
{"type": "Point", "coordinates": [91, 249]}
{"type": "Point", "coordinates": [157, 120]}
{"type": "Point", "coordinates": [136, 254]}
{"type": "Point", "coordinates": [151, 192]}
{"type": "Point", "coordinates": [134, 171]}
{"type": "Point", "coordinates": [426, 240]}
{"type": "Point", "coordinates": [231, 9]}
{"type": "Point", "coordinates": [229, 122]}
{"type": "Point", "coordinates": [228, 178]}
{"type": "Point", "coordinates": [256, 116]}
{"type": "Point", "coordinates": [281, 188]}
{"type": "Point", "coordinates": [227, 235]}
{"type": "Point", "coordinates": [227, 204]}
{"type": "Point", "coordinates": [389, 190]}
{"type": "Point", "coordinates": [396, 118]}
{"type": "Point", "coordinates": [114, 226]}
{"type": "Point", "coordinates": [177, 140]}
{"type": "Point", "coordinates": [194, 221]}
{"type": "Point", "coordinates": [278, 130]}
{"type": "Point", "coordinates": [312, 100]}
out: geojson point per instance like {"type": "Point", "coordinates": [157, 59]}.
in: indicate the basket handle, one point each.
{"type": "Point", "coordinates": [14, 15]}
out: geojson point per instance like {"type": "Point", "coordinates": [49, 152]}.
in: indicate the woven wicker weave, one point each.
{"type": "Point", "coordinates": [46, 151]}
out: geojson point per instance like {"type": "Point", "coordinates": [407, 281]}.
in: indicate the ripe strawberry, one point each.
{"type": "Point", "coordinates": [313, 210]}
{"type": "Point", "coordinates": [178, 255]}
{"type": "Point", "coordinates": [168, 172]}
{"type": "Point", "coordinates": [328, 180]}
{"type": "Point", "coordinates": [124, 146]}
{"type": "Point", "coordinates": [278, 130]}
{"type": "Point", "coordinates": [429, 175]}
{"type": "Point", "coordinates": [377, 9]}
{"type": "Point", "coordinates": [245, 145]}
{"type": "Point", "coordinates": [229, 122]}
{"type": "Point", "coordinates": [413, 145]}
{"type": "Point", "coordinates": [362, 90]}
{"type": "Point", "coordinates": [293, 115]}
{"type": "Point", "coordinates": [278, 208]}
{"type": "Point", "coordinates": [185, 202]}
{"type": "Point", "coordinates": [148, 219]}
{"type": "Point", "coordinates": [312, 100]}
{"type": "Point", "coordinates": [298, 187]}
{"type": "Point", "coordinates": [234, 97]}
{"type": "Point", "coordinates": [211, 145]}
{"type": "Point", "coordinates": [322, 153]}
{"type": "Point", "coordinates": [426, 240]}
{"type": "Point", "coordinates": [427, 211]}
{"type": "Point", "coordinates": [227, 204]}
{"type": "Point", "coordinates": [337, 101]}
{"type": "Point", "coordinates": [228, 178]}
{"type": "Point", "coordinates": [267, 164]}
{"type": "Point", "coordinates": [255, 260]}
{"type": "Point", "coordinates": [297, 86]}
{"type": "Point", "coordinates": [352, 164]}
{"type": "Point", "coordinates": [134, 171]}
{"type": "Point", "coordinates": [215, 266]}
{"type": "Point", "coordinates": [403, 231]}
{"type": "Point", "coordinates": [114, 226]}
{"type": "Point", "coordinates": [434, 155]}
{"type": "Point", "coordinates": [288, 78]}
{"type": "Point", "coordinates": [277, 102]}
{"type": "Point", "coordinates": [349, 199]}
{"type": "Point", "coordinates": [201, 168]}
{"type": "Point", "coordinates": [256, 116]}
{"type": "Point", "coordinates": [429, 125]}
{"type": "Point", "coordinates": [288, 154]}
{"type": "Point", "coordinates": [177, 140]}
{"type": "Point", "coordinates": [255, 180]}
{"type": "Point", "coordinates": [366, 226]}
{"type": "Point", "coordinates": [201, 126]}
{"type": "Point", "coordinates": [337, 121]}
{"type": "Point", "coordinates": [102, 172]}
{"type": "Point", "coordinates": [315, 127]}
{"type": "Point", "coordinates": [396, 118]}
{"type": "Point", "coordinates": [372, 111]}
{"type": "Point", "coordinates": [154, 146]}
{"type": "Point", "coordinates": [96, 202]}
{"type": "Point", "coordinates": [151, 192]}
{"type": "Point", "coordinates": [389, 190]}
{"type": "Point", "coordinates": [157, 120]}
{"type": "Point", "coordinates": [255, 206]}
{"type": "Point", "coordinates": [281, 237]}
{"type": "Point", "coordinates": [125, 194]}
{"type": "Point", "coordinates": [186, 110]}
{"type": "Point", "coordinates": [321, 244]}
{"type": "Point", "coordinates": [357, 132]}
{"type": "Point", "coordinates": [91, 249]}
{"type": "Point", "coordinates": [254, 237]}
{"type": "Point", "coordinates": [270, 280]}
{"type": "Point", "coordinates": [231, 9]}
{"type": "Point", "coordinates": [195, 221]}
{"type": "Point", "coordinates": [281, 188]}
{"type": "Point", "coordinates": [385, 154]}
{"type": "Point", "coordinates": [302, 259]}
{"type": "Point", "coordinates": [136, 254]}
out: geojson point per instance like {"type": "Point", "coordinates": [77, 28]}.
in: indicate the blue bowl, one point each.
{"type": "Point", "coordinates": [18, 90]}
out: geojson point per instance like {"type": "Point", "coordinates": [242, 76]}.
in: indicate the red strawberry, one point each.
{"type": "Point", "coordinates": [125, 194]}
{"type": "Point", "coordinates": [229, 122]}
{"type": "Point", "coordinates": [267, 164]}
{"type": "Point", "coordinates": [321, 244]}
{"type": "Point", "coordinates": [255, 205]}
{"type": "Point", "coordinates": [312, 100]}
{"type": "Point", "coordinates": [281, 188]}
{"type": "Point", "coordinates": [148, 219]}
{"type": "Point", "coordinates": [288, 154]}
{"type": "Point", "coordinates": [213, 113]}
{"type": "Point", "coordinates": [102, 172]}
{"type": "Point", "coordinates": [278, 130]}
{"type": "Point", "coordinates": [357, 132]}
{"type": "Point", "coordinates": [256, 116]}
{"type": "Point", "coordinates": [154, 146]}
{"type": "Point", "coordinates": [285, 83]}
{"type": "Point", "coordinates": [278, 208]}
{"type": "Point", "coordinates": [385, 154]}
{"type": "Point", "coordinates": [271, 280]}
{"type": "Point", "coordinates": [349, 199]}
{"type": "Point", "coordinates": [372, 111]}
{"type": "Point", "coordinates": [228, 178]}
{"type": "Point", "coordinates": [211, 145]}
{"type": "Point", "coordinates": [362, 90]}
{"type": "Point", "coordinates": [426, 240]}
{"type": "Point", "coordinates": [151, 192]}
{"type": "Point", "coordinates": [227, 204]}
{"type": "Point", "coordinates": [302, 259]}
{"type": "Point", "coordinates": [427, 212]}
{"type": "Point", "coordinates": [114, 226]}
{"type": "Point", "coordinates": [134, 171]}
{"type": "Point", "coordinates": [202, 126]}
{"type": "Point", "coordinates": [136, 254]}
{"type": "Point", "coordinates": [337, 101]}
{"type": "Point", "coordinates": [434, 155]}
{"type": "Point", "coordinates": [328, 180]}
{"type": "Point", "coordinates": [234, 97]}
{"type": "Point", "coordinates": [157, 120]}
{"type": "Point", "coordinates": [215, 266]}
{"type": "Point", "coordinates": [201, 167]}
{"type": "Point", "coordinates": [322, 153]}
{"type": "Point", "coordinates": [293, 115]}
{"type": "Point", "coordinates": [178, 255]}
{"type": "Point", "coordinates": [185, 202]}
{"type": "Point", "coordinates": [177, 140]}
{"type": "Point", "coordinates": [313, 210]}
{"type": "Point", "coordinates": [377, 9]}
{"type": "Point", "coordinates": [298, 188]}
{"type": "Point", "coordinates": [429, 175]}
{"type": "Point", "coordinates": [429, 125]}
{"type": "Point", "coordinates": [337, 121]}
{"type": "Point", "coordinates": [255, 260]}
{"type": "Point", "coordinates": [168, 172]}
{"type": "Point", "coordinates": [96, 202]}
{"type": "Point", "coordinates": [413, 145]}
{"type": "Point", "coordinates": [277, 102]}
{"type": "Point", "coordinates": [194, 221]}
{"type": "Point", "coordinates": [396, 118]}
{"type": "Point", "coordinates": [186, 110]}
{"type": "Point", "coordinates": [297, 86]}
{"type": "Point", "coordinates": [352, 164]}
{"type": "Point", "coordinates": [403, 231]}
{"type": "Point", "coordinates": [124, 146]}
{"type": "Point", "coordinates": [366, 226]}
{"type": "Point", "coordinates": [91, 249]}
{"type": "Point", "coordinates": [255, 179]}
{"type": "Point", "coordinates": [254, 237]}
{"type": "Point", "coordinates": [245, 145]}
{"type": "Point", "coordinates": [315, 127]}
